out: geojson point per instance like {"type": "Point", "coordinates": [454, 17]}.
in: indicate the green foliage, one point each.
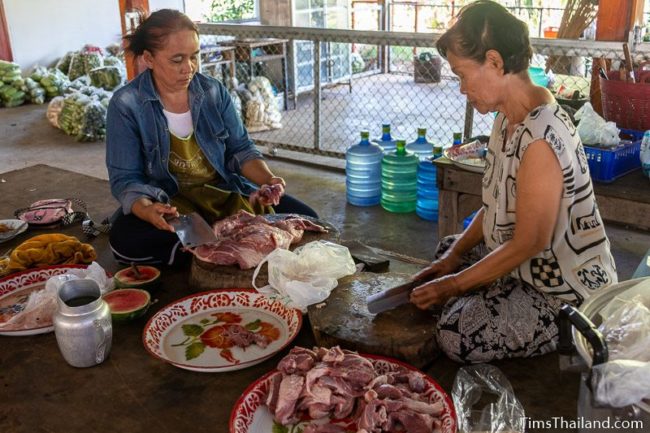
{"type": "Point", "coordinates": [228, 10]}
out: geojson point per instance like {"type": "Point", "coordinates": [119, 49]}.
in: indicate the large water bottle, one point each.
{"type": "Point", "coordinates": [363, 172]}
{"type": "Point", "coordinates": [385, 141]}
{"type": "Point", "coordinates": [421, 147]}
{"type": "Point", "coordinates": [427, 196]}
{"type": "Point", "coordinates": [399, 179]}
{"type": "Point", "coordinates": [645, 153]}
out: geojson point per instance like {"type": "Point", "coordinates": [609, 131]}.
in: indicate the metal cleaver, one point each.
{"type": "Point", "coordinates": [391, 298]}
{"type": "Point", "coordinates": [193, 230]}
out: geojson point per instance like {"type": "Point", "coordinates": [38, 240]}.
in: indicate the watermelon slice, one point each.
{"type": "Point", "coordinates": [127, 304]}
{"type": "Point", "coordinates": [138, 277]}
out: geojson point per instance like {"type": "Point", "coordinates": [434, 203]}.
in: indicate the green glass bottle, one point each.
{"type": "Point", "coordinates": [399, 180]}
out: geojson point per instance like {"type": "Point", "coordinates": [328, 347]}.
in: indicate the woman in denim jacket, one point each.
{"type": "Point", "coordinates": [175, 143]}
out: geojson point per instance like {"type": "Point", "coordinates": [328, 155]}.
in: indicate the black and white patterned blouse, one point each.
{"type": "Point", "coordinates": [579, 259]}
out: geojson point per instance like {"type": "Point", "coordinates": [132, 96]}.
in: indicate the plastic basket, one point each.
{"type": "Point", "coordinates": [608, 164]}
{"type": "Point", "coordinates": [627, 104]}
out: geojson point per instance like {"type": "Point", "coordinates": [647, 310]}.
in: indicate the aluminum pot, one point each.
{"type": "Point", "coordinates": [82, 323]}
{"type": "Point", "coordinates": [583, 346]}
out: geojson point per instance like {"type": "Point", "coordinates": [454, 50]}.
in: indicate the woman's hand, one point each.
{"type": "Point", "coordinates": [277, 180]}
{"type": "Point", "coordinates": [155, 213]}
{"type": "Point", "coordinates": [436, 292]}
{"type": "Point", "coordinates": [445, 265]}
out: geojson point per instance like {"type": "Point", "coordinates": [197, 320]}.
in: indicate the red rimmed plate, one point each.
{"type": "Point", "coordinates": [15, 290]}
{"type": "Point", "coordinates": [250, 414]}
{"type": "Point", "coordinates": [200, 332]}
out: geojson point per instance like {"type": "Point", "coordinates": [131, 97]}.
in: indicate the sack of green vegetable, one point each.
{"type": "Point", "coordinates": [63, 64]}
{"type": "Point", "coordinates": [107, 77]}
{"type": "Point", "coordinates": [93, 122]}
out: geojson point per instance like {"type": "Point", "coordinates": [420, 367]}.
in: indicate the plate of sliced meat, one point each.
{"type": "Point", "coordinates": [337, 391]}
{"type": "Point", "coordinates": [221, 330]}
{"type": "Point", "coordinates": [17, 316]}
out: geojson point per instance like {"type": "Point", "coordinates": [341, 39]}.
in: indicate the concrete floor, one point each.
{"type": "Point", "coordinates": [27, 139]}
{"type": "Point", "coordinates": [152, 393]}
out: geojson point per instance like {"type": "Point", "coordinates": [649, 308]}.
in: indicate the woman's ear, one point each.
{"type": "Point", "coordinates": [148, 58]}
{"type": "Point", "coordinates": [494, 59]}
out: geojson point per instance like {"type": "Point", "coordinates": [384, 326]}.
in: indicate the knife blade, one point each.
{"type": "Point", "coordinates": [193, 230]}
{"type": "Point", "coordinates": [391, 298]}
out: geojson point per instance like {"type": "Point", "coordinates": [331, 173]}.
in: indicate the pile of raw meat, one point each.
{"type": "Point", "coordinates": [245, 239]}
{"type": "Point", "coordinates": [341, 384]}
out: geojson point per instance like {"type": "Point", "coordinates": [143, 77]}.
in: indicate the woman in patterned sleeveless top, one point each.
{"type": "Point", "coordinates": [538, 240]}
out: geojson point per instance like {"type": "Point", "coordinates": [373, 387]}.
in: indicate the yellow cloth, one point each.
{"type": "Point", "coordinates": [214, 204]}
{"type": "Point", "coordinates": [46, 250]}
{"type": "Point", "coordinates": [188, 163]}
{"type": "Point", "coordinates": [196, 178]}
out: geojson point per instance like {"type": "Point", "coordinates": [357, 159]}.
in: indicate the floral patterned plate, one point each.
{"type": "Point", "coordinates": [15, 290]}
{"type": "Point", "coordinates": [470, 156]}
{"type": "Point", "coordinates": [9, 229]}
{"type": "Point", "coordinates": [250, 414]}
{"type": "Point", "coordinates": [221, 330]}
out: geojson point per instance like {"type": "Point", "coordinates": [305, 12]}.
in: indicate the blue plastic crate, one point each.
{"type": "Point", "coordinates": [608, 164]}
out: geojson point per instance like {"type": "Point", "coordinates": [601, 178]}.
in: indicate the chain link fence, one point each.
{"type": "Point", "coordinates": [314, 90]}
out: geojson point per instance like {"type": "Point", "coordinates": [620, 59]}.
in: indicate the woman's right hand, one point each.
{"type": "Point", "coordinates": [155, 213]}
{"type": "Point", "coordinates": [445, 265]}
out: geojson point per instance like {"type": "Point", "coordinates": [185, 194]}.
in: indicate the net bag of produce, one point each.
{"type": "Point", "coordinates": [54, 111]}
{"type": "Point", "coordinates": [106, 77]}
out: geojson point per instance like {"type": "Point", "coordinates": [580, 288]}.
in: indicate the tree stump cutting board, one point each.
{"type": "Point", "coordinates": [405, 332]}
{"type": "Point", "coordinates": [207, 276]}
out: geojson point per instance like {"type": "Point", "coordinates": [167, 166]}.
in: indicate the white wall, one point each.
{"type": "Point", "coordinates": [154, 5]}
{"type": "Point", "coordinates": [42, 31]}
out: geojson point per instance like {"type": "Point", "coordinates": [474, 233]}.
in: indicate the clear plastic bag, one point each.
{"type": "Point", "coordinates": [307, 275]}
{"type": "Point", "coordinates": [593, 129]}
{"type": "Point", "coordinates": [621, 383]}
{"type": "Point", "coordinates": [505, 415]}
{"type": "Point", "coordinates": [627, 328]}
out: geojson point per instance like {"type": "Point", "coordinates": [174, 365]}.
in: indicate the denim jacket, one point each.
{"type": "Point", "coordinates": [137, 140]}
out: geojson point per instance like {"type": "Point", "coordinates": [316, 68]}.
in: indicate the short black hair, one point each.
{"type": "Point", "coordinates": [150, 35]}
{"type": "Point", "coordinates": [485, 25]}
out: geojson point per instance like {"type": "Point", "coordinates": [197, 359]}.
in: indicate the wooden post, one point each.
{"type": "Point", "coordinates": [615, 19]}
{"type": "Point", "coordinates": [131, 14]}
{"type": "Point", "coordinates": [5, 42]}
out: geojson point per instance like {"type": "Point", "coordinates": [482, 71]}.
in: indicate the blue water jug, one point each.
{"type": "Point", "coordinates": [385, 141]}
{"type": "Point", "coordinates": [363, 172]}
{"type": "Point", "coordinates": [421, 147]}
{"type": "Point", "coordinates": [427, 192]}
{"type": "Point", "coordinates": [399, 179]}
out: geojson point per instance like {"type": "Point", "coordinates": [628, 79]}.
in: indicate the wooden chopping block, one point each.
{"type": "Point", "coordinates": [208, 276]}
{"type": "Point", "coordinates": [405, 332]}
{"type": "Point", "coordinates": [361, 253]}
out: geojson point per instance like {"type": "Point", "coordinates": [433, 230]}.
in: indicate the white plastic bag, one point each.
{"type": "Point", "coordinates": [307, 275]}
{"type": "Point", "coordinates": [593, 129]}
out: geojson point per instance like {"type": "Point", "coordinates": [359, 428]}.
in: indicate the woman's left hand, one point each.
{"type": "Point", "coordinates": [436, 292]}
{"type": "Point", "coordinates": [277, 180]}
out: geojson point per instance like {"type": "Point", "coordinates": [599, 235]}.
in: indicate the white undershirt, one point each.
{"type": "Point", "coordinates": [179, 124]}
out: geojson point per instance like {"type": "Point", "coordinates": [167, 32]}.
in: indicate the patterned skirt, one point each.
{"type": "Point", "coordinates": [507, 319]}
